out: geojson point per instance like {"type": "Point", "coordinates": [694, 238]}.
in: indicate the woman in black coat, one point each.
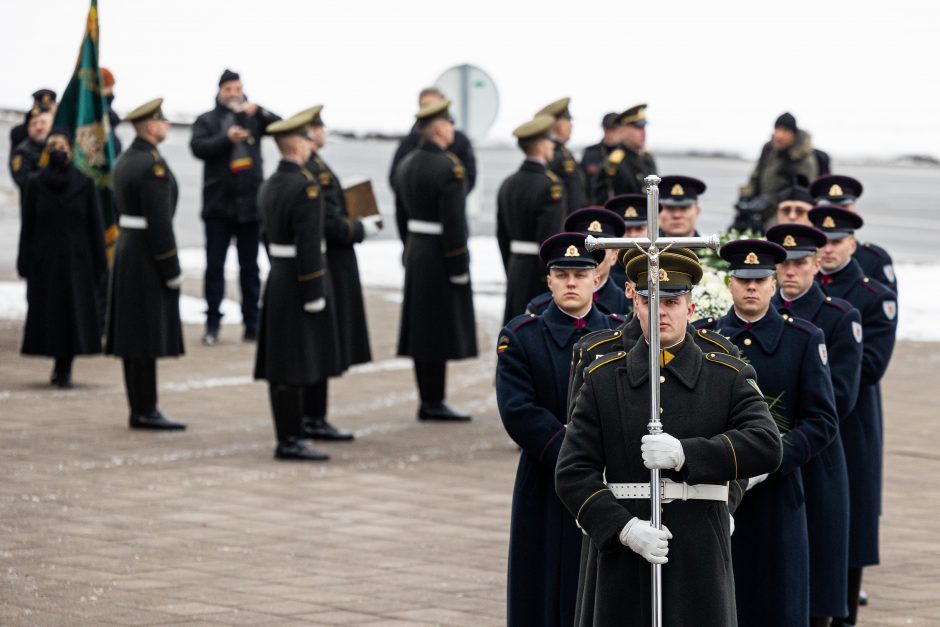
{"type": "Point", "coordinates": [62, 258]}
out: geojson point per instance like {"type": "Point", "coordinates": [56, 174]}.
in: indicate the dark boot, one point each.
{"type": "Point", "coordinates": [315, 425]}
{"type": "Point", "coordinates": [441, 412]}
{"type": "Point", "coordinates": [286, 405]}
{"type": "Point", "coordinates": [143, 399]}
{"type": "Point", "coordinates": [431, 377]}
{"type": "Point", "coordinates": [62, 372]}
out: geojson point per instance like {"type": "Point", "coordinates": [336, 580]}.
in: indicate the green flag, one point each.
{"type": "Point", "coordinates": [84, 110]}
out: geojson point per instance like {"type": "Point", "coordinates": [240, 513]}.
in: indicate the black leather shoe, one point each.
{"type": "Point", "coordinates": [320, 429]}
{"type": "Point", "coordinates": [210, 337]}
{"type": "Point", "coordinates": [294, 449]}
{"type": "Point", "coordinates": [155, 420]}
{"type": "Point", "coordinates": [250, 334]}
{"type": "Point", "coordinates": [61, 379]}
{"type": "Point", "coordinates": [440, 412]}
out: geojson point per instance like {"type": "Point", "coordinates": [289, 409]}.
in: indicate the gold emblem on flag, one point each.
{"type": "Point", "coordinates": [829, 223]}
{"type": "Point", "coordinates": [572, 251]}
{"type": "Point", "coordinates": [631, 213]}
{"type": "Point", "coordinates": [789, 242]}
{"type": "Point", "coordinates": [835, 190]}
{"type": "Point", "coordinates": [751, 259]}
{"type": "Point", "coordinates": [595, 227]}
{"type": "Point", "coordinates": [677, 190]}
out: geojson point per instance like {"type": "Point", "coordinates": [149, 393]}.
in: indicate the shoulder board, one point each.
{"type": "Point", "coordinates": [725, 359]}
{"type": "Point", "coordinates": [458, 169]}
{"type": "Point", "coordinates": [540, 302]}
{"type": "Point", "coordinates": [838, 303]}
{"type": "Point", "coordinates": [714, 340]}
{"type": "Point", "coordinates": [307, 174]}
{"type": "Point", "coordinates": [592, 341]}
{"type": "Point", "coordinates": [616, 317]}
{"type": "Point", "coordinates": [551, 176]}
{"type": "Point", "coordinates": [873, 286]}
{"type": "Point", "coordinates": [616, 156]}
{"type": "Point", "coordinates": [156, 155]}
{"type": "Point", "coordinates": [520, 321]}
{"type": "Point", "coordinates": [705, 323]}
{"type": "Point", "coordinates": [800, 324]}
{"type": "Point", "coordinates": [603, 360]}
{"type": "Point", "coordinates": [876, 250]}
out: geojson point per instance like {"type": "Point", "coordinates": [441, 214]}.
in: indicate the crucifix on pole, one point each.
{"type": "Point", "coordinates": [652, 246]}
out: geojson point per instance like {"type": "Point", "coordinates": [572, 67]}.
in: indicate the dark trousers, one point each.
{"type": "Point", "coordinates": [315, 396]}
{"type": "Point", "coordinates": [140, 379]}
{"type": "Point", "coordinates": [219, 234]}
{"type": "Point", "coordinates": [287, 407]}
{"type": "Point", "coordinates": [63, 365]}
{"type": "Point", "coordinates": [854, 589]}
{"type": "Point", "coordinates": [431, 377]}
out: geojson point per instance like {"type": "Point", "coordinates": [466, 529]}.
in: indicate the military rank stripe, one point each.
{"type": "Point", "coordinates": [705, 337]}
{"type": "Point", "coordinates": [311, 276]}
{"type": "Point", "coordinates": [165, 256]}
{"type": "Point", "coordinates": [586, 501]}
{"type": "Point", "coordinates": [734, 455]}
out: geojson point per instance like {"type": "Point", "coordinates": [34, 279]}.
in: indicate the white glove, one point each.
{"type": "Point", "coordinates": [461, 279]}
{"type": "Point", "coordinates": [315, 306]}
{"type": "Point", "coordinates": [175, 283]}
{"type": "Point", "coordinates": [371, 225]}
{"type": "Point", "coordinates": [732, 525]}
{"type": "Point", "coordinates": [662, 451]}
{"type": "Point", "coordinates": [646, 541]}
{"type": "Point", "coordinates": [753, 481]}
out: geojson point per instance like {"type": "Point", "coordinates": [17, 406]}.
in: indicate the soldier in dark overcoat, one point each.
{"type": "Point", "coordinates": [563, 163]}
{"type": "Point", "coordinates": [530, 207]}
{"type": "Point", "coordinates": [862, 431]}
{"type": "Point", "coordinates": [717, 429]}
{"type": "Point", "coordinates": [143, 316]}
{"type": "Point", "coordinates": [630, 162]}
{"type": "Point", "coordinates": [437, 317]}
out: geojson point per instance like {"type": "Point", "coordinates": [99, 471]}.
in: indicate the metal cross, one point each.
{"type": "Point", "coordinates": [652, 246]}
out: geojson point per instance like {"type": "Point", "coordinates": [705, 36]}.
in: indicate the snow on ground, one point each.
{"type": "Point", "coordinates": [380, 268]}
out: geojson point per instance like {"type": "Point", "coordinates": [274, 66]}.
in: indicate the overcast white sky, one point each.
{"type": "Point", "coordinates": [861, 76]}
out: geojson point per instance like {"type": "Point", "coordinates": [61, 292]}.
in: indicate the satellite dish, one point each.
{"type": "Point", "coordinates": [474, 99]}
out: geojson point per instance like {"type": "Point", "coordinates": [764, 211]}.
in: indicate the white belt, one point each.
{"type": "Point", "coordinates": [425, 228]}
{"type": "Point", "coordinates": [283, 251]}
{"type": "Point", "coordinates": [672, 491]}
{"type": "Point", "coordinates": [132, 222]}
{"type": "Point", "coordinates": [519, 247]}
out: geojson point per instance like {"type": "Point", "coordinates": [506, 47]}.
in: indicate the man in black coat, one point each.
{"type": "Point", "coordinates": [460, 145]}
{"type": "Point", "coordinates": [717, 430]}
{"type": "Point", "coordinates": [563, 163]}
{"type": "Point", "coordinates": [863, 430]}
{"type": "Point", "coordinates": [297, 342]}
{"type": "Point", "coordinates": [143, 319]}
{"type": "Point", "coordinates": [825, 477]}
{"type": "Point", "coordinates": [630, 162]}
{"type": "Point", "coordinates": [530, 207]}
{"type": "Point", "coordinates": [41, 98]}
{"type": "Point", "coordinates": [437, 317]}
{"type": "Point", "coordinates": [341, 232]}
{"type": "Point", "coordinates": [24, 157]}
{"type": "Point", "coordinates": [533, 358]}
{"type": "Point", "coordinates": [228, 140]}
{"type": "Point", "coordinates": [594, 155]}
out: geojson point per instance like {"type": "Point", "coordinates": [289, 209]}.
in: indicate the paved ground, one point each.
{"type": "Point", "coordinates": [103, 526]}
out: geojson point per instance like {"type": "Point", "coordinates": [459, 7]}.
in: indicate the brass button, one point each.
{"type": "Point", "coordinates": [662, 379]}
{"type": "Point", "coordinates": [747, 341]}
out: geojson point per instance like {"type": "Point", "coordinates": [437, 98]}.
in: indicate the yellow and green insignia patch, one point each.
{"type": "Point", "coordinates": [159, 170]}
{"type": "Point", "coordinates": [325, 179]}
{"type": "Point", "coordinates": [753, 384]}
{"type": "Point", "coordinates": [16, 163]}
{"type": "Point", "coordinates": [459, 172]}
{"type": "Point", "coordinates": [313, 191]}
{"type": "Point", "coordinates": [502, 344]}
{"type": "Point", "coordinates": [569, 166]}
{"type": "Point", "coordinates": [557, 191]}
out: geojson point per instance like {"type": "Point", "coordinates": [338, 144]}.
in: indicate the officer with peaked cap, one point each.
{"type": "Point", "coordinates": [609, 297]}
{"type": "Point", "coordinates": [594, 155]}
{"type": "Point", "coordinates": [341, 232]}
{"type": "Point", "coordinates": [770, 547]}
{"type": "Point", "coordinates": [630, 162]}
{"type": "Point", "coordinates": [297, 339]}
{"type": "Point", "coordinates": [632, 208]}
{"type": "Point", "coordinates": [530, 206]}
{"type": "Point", "coordinates": [437, 318]}
{"type": "Point", "coordinates": [862, 430]}
{"type": "Point", "coordinates": [717, 429]}
{"type": "Point", "coordinates": [533, 355]}
{"type": "Point", "coordinates": [678, 205]}
{"type": "Point", "coordinates": [844, 191]}
{"type": "Point", "coordinates": [563, 163]}
{"type": "Point", "coordinates": [143, 320]}
{"type": "Point", "coordinates": [45, 98]}
{"type": "Point", "coordinates": [825, 478]}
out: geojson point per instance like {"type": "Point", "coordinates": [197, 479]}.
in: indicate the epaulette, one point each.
{"type": "Point", "coordinates": [591, 341]}
{"type": "Point", "coordinates": [715, 339]}
{"type": "Point", "coordinates": [873, 286]}
{"type": "Point", "coordinates": [616, 317]}
{"type": "Point", "coordinates": [520, 321]}
{"type": "Point", "coordinates": [800, 324]}
{"type": "Point", "coordinates": [726, 360]}
{"type": "Point", "coordinates": [838, 303]}
{"type": "Point", "coordinates": [616, 156]}
{"type": "Point", "coordinates": [307, 174]}
{"type": "Point", "coordinates": [459, 171]}
{"type": "Point", "coordinates": [156, 156]}
{"type": "Point", "coordinates": [876, 250]}
{"type": "Point", "coordinates": [537, 304]}
{"type": "Point", "coordinates": [603, 360]}
{"type": "Point", "coordinates": [704, 323]}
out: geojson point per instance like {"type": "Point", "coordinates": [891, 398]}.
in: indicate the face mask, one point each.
{"type": "Point", "coordinates": [58, 158]}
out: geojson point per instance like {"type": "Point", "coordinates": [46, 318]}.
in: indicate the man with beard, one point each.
{"type": "Point", "coordinates": [563, 163]}
{"type": "Point", "coordinates": [41, 98]}
{"type": "Point", "coordinates": [228, 140]}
